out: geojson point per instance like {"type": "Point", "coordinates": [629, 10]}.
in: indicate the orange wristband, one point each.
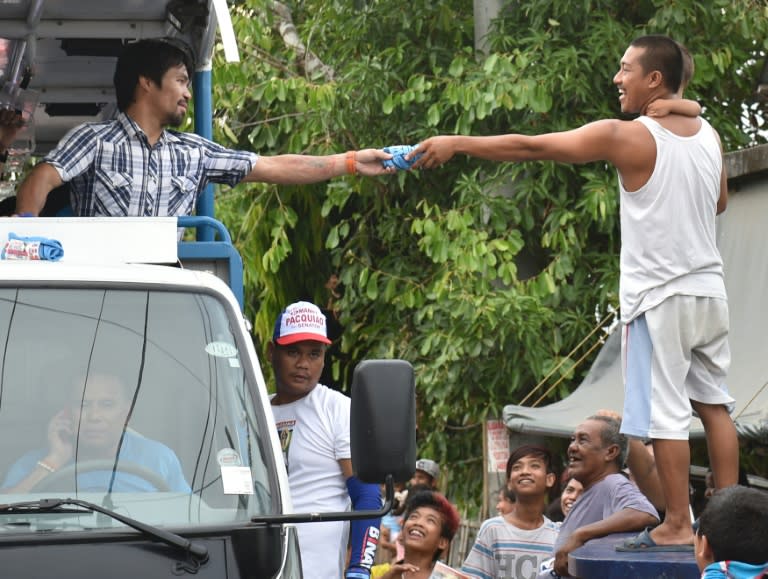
{"type": "Point", "coordinates": [351, 162]}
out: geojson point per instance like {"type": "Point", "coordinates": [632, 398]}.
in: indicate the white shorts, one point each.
{"type": "Point", "coordinates": [674, 353]}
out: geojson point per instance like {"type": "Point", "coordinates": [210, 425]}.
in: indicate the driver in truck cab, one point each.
{"type": "Point", "coordinates": [90, 449]}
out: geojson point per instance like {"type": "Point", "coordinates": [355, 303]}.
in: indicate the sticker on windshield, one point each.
{"type": "Point", "coordinates": [228, 457]}
{"type": "Point", "coordinates": [221, 349]}
{"type": "Point", "coordinates": [236, 480]}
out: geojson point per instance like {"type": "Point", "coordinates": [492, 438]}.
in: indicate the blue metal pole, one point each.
{"type": "Point", "coordinates": [201, 86]}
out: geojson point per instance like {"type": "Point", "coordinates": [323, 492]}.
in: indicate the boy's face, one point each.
{"type": "Point", "coordinates": [423, 529]}
{"type": "Point", "coordinates": [422, 478]}
{"type": "Point", "coordinates": [504, 505]}
{"type": "Point", "coordinates": [529, 477]}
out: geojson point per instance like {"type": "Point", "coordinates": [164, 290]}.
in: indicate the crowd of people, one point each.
{"type": "Point", "coordinates": [600, 495]}
{"type": "Point", "coordinates": [672, 184]}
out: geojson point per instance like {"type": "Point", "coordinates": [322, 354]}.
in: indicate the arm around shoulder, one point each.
{"type": "Point", "coordinates": [33, 192]}
{"type": "Point", "coordinates": [675, 106]}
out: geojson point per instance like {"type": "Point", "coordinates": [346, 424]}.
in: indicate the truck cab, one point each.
{"type": "Point", "coordinates": [145, 375]}
{"type": "Point", "coordinates": [136, 434]}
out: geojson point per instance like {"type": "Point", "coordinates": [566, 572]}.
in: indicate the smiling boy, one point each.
{"type": "Point", "coordinates": [429, 524]}
{"type": "Point", "coordinates": [514, 545]}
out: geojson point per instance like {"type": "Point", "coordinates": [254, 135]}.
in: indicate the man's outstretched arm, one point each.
{"type": "Point", "coordinates": [600, 140]}
{"type": "Point", "coordinates": [305, 169]}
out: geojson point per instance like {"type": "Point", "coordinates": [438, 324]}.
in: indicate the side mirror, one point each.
{"type": "Point", "coordinates": [383, 436]}
{"type": "Point", "coordinates": [383, 421]}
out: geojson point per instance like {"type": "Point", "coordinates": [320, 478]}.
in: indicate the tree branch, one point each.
{"type": "Point", "coordinates": [309, 61]}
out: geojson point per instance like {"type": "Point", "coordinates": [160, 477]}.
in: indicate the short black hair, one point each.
{"type": "Point", "coordinates": [735, 522]}
{"type": "Point", "coordinates": [663, 54]}
{"type": "Point", "coordinates": [530, 450]}
{"type": "Point", "coordinates": [151, 58]}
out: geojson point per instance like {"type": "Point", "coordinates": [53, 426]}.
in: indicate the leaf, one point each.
{"type": "Point", "coordinates": [490, 63]}
{"type": "Point", "coordinates": [229, 133]}
{"type": "Point", "coordinates": [433, 115]}
{"type": "Point", "coordinates": [456, 68]}
{"type": "Point", "coordinates": [372, 288]}
{"type": "Point", "coordinates": [333, 238]}
{"type": "Point", "coordinates": [388, 105]}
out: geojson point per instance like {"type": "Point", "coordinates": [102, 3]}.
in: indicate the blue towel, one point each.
{"type": "Point", "coordinates": [18, 247]}
{"type": "Point", "coordinates": [398, 153]}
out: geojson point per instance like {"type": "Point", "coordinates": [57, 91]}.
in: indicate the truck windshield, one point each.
{"type": "Point", "coordinates": [135, 399]}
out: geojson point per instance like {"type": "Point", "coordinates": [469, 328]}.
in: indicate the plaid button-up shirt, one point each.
{"type": "Point", "coordinates": [113, 170]}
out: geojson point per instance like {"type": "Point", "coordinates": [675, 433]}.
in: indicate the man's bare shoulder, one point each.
{"type": "Point", "coordinates": [617, 127]}
{"type": "Point", "coordinates": [611, 139]}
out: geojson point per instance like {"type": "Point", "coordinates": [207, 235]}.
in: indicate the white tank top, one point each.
{"type": "Point", "coordinates": [668, 242]}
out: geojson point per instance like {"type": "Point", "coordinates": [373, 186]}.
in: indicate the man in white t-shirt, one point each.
{"type": "Point", "coordinates": [313, 425]}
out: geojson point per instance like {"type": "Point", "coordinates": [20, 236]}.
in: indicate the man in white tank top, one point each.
{"type": "Point", "coordinates": [672, 185]}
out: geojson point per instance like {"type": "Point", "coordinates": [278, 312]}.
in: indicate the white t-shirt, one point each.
{"type": "Point", "coordinates": [668, 244]}
{"type": "Point", "coordinates": [314, 435]}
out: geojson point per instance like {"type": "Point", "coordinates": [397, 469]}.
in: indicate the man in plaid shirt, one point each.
{"type": "Point", "coordinates": [133, 165]}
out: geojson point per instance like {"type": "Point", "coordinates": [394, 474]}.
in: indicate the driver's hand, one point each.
{"type": "Point", "coordinates": [60, 435]}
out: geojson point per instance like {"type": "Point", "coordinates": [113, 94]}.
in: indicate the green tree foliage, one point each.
{"type": "Point", "coordinates": [484, 276]}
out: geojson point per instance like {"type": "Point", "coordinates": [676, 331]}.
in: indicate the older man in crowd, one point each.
{"type": "Point", "coordinates": [610, 502]}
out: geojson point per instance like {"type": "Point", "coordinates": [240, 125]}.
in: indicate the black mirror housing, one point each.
{"type": "Point", "coordinates": [383, 421]}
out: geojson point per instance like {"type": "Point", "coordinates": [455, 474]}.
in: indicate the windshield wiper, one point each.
{"type": "Point", "coordinates": [198, 551]}
{"type": "Point", "coordinates": [36, 506]}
